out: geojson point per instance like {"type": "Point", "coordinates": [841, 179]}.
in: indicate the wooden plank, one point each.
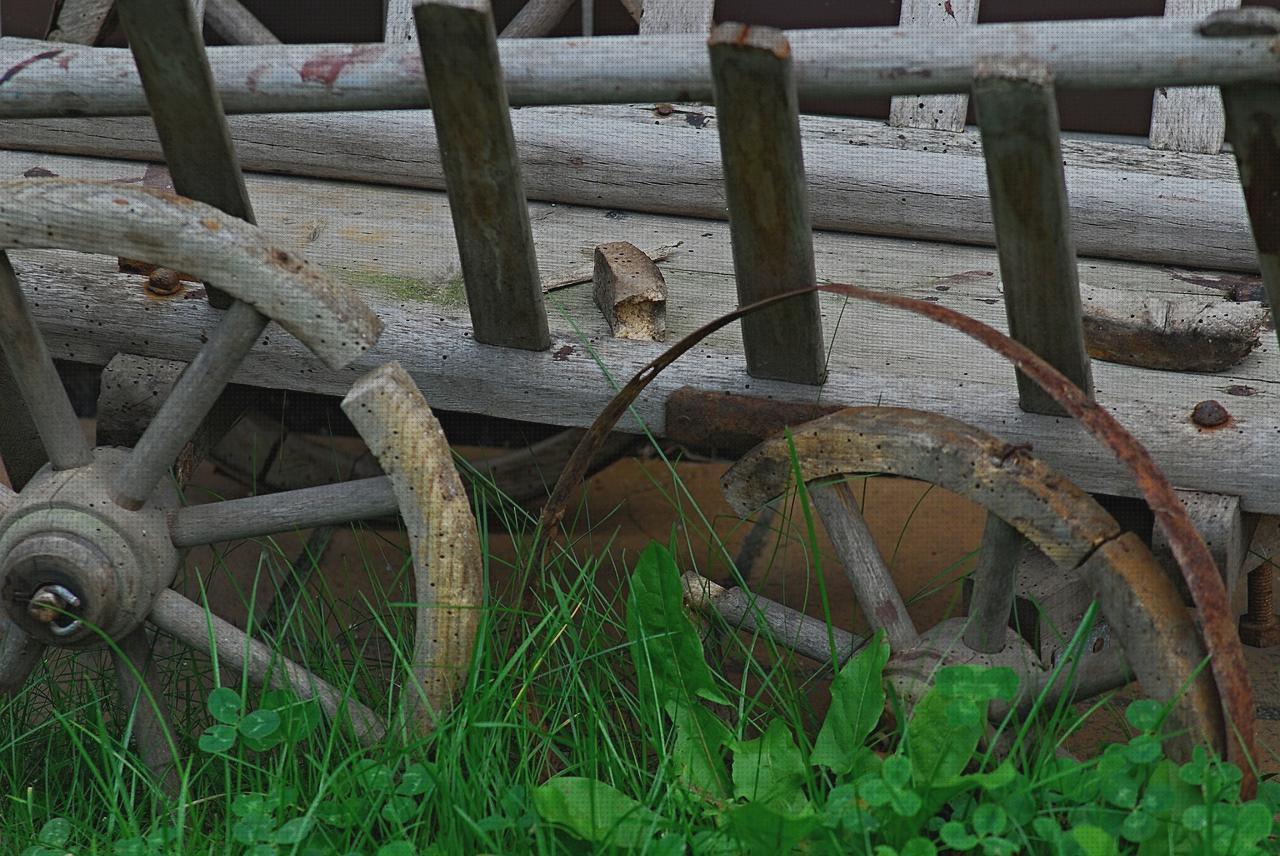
{"type": "Point", "coordinates": [231, 20]}
{"type": "Point", "coordinates": [1189, 119]}
{"type": "Point", "coordinates": [1127, 201]}
{"type": "Point", "coordinates": [392, 246]}
{"type": "Point", "coordinates": [676, 16]}
{"type": "Point", "coordinates": [82, 22]}
{"type": "Point", "coordinates": [1111, 54]}
{"type": "Point", "coordinates": [397, 18]}
{"type": "Point", "coordinates": [482, 173]}
{"type": "Point", "coordinates": [772, 243]}
{"type": "Point", "coordinates": [1018, 115]}
{"type": "Point", "coordinates": [940, 112]}
{"type": "Point", "coordinates": [536, 18]}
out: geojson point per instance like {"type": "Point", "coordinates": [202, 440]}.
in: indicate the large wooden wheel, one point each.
{"type": "Point", "coordinates": [1160, 641]}
{"type": "Point", "coordinates": [90, 546]}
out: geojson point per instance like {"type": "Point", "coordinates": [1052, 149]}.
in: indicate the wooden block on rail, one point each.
{"type": "Point", "coordinates": [676, 16]}
{"type": "Point", "coordinates": [1018, 115]}
{"type": "Point", "coordinates": [482, 173]}
{"type": "Point", "coordinates": [940, 112]}
{"type": "Point", "coordinates": [630, 292]}
{"type": "Point", "coordinates": [768, 200]}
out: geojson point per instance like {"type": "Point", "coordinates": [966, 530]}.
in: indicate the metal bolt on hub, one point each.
{"type": "Point", "coordinates": [51, 605]}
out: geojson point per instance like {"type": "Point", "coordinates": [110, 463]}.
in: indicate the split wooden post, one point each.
{"type": "Point", "coordinates": [397, 21]}
{"type": "Point", "coordinates": [1189, 119]}
{"type": "Point", "coordinates": [768, 200]}
{"type": "Point", "coordinates": [1018, 115]}
{"type": "Point", "coordinates": [169, 51]}
{"type": "Point", "coordinates": [482, 173]}
{"type": "Point", "coordinates": [82, 22]}
{"type": "Point", "coordinates": [536, 18]}
{"type": "Point", "coordinates": [676, 16]}
{"type": "Point", "coordinates": [1253, 127]}
{"type": "Point", "coordinates": [231, 20]}
{"type": "Point", "coordinates": [941, 112]}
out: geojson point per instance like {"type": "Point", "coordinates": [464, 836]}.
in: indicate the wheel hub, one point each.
{"type": "Point", "coordinates": [74, 565]}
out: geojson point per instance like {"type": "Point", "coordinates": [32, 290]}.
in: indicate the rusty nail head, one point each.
{"type": "Point", "coordinates": [1210, 414]}
{"type": "Point", "coordinates": [164, 282]}
{"type": "Point", "coordinates": [664, 109]}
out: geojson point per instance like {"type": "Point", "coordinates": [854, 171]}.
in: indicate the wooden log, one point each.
{"type": "Point", "coordinates": [630, 291]}
{"type": "Point", "coordinates": [768, 201]}
{"type": "Point", "coordinates": [676, 16]}
{"type": "Point", "coordinates": [83, 22]}
{"type": "Point", "coordinates": [1189, 119]}
{"type": "Point", "coordinates": [1112, 54]}
{"type": "Point", "coordinates": [536, 18]}
{"type": "Point", "coordinates": [1019, 119]}
{"type": "Point", "coordinates": [231, 20]}
{"type": "Point", "coordinates": [482, 173]}
{"type": "Point", "coordinates": [1127, 202]}
{"type": "Point", "coordinates": [941, 112]}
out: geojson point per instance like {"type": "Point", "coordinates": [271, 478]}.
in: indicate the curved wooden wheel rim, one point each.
{"type": "Point", "coordinates": [1135, 595]}
{"type": "Point", "coordinates": [387, 409]}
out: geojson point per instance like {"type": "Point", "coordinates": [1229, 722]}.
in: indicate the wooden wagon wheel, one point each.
{"type": "Point", "coordinates": [92, 543]}
{"type": "Point", "coordinates": [1160, 641]}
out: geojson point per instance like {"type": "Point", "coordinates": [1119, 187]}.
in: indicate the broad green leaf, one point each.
{"type": "Point", "coordinates": [55, 832]}
{"type": "Point", "coordinates": [919, 847]}
{"type": "Point", "coordinates": [697, 752]}
{"type": "Point", "coordinates": [1094, 841]}
{"type": "Point", "coordinates": [665, 646]}
{"type": "Point", "coordinates": [1144, 714]}
{"type": "Point", "coordinates": [957, 836]}
{"type": "Point", "coordinates": [217, 738]}
{"type": "Point", "coordinates": [857, 701]}
{"type": "Point", "coordinates": [293, 831]}
{"type": "Point", "coordinates": [595, 812]}
{"type": "Point", "coordinates": [261, 730]}
{"type": "Point", "coordinates": [761, 829]}
{"type": "Point", "coordinates": [398, 848]}
{"type": "Point", "coordinates": [416, 779]}
{"type": "Point", "coordinates": [770, 769]}
{"type": "Point", "coordinates": [938, 747]}
{"type": "Point", "coordinates": [224, 705]}
{"type": "Point", "coordinates": [1253, 823]}
{"type": "Point", "coordinates": [989, 819]}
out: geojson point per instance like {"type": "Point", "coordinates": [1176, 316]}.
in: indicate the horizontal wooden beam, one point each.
{"type": "Point", "coordinates": [60, 80]}
{"type": "Point", "coordinates": [1127, 201]}
{"type": "Point", "coordinates": [378, 240]}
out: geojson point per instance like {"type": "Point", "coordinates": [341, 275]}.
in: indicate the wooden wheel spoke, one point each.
{"type": "Point", "coordinates": [872, 583]}
{"type": "Point", "coordinates": [188, 403]}
{"type": "Point", "coordinates": [37, 378]}
{"type": "Point", "coordinates": [200, 629]}
{"type": "Point", "coordinates": [284, 512]}
{"type": "Point", "coordinates": [19, 654]}
{"type": "Point", "coordinates": [141, 696]}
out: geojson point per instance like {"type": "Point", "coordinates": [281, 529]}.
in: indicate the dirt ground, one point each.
{"type": "Point", "coordinates": [928, 536]}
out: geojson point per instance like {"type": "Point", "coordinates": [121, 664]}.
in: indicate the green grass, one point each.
{"type": "Point", "coordinates": [592, 716]}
